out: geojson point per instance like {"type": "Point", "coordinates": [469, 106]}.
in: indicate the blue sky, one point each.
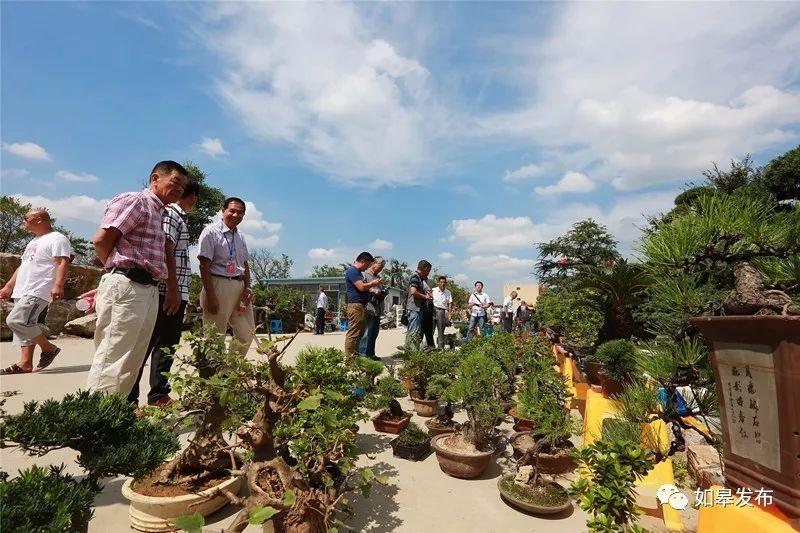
{"type": "Point", "coordinates": [459, 132]}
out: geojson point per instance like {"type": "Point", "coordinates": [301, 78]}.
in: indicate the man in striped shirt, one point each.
{"type": "Point", "coordinates": [130, 244]}
{"type": "Point", "coordinates": [172, 299]}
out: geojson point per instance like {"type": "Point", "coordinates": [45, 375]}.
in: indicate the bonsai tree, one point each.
{"type": "Point", "coordinates": [412, 443]}
{"type": "Point", "coordinates": [733, 253]}
{"type": "Point", "coordinates": [543, 392]}
{"type": "Point", "coordinates": [110, 441]}
{"type": "Point", "coordinates": [501, 348]}
{"type": "Point", "coordinates": [371, 369]}
{"type": "Point", "coordinates": [421, 364]}
{"type": "Point", "coordinates": [480, 384]}
{"type": "Point", "coordinates": [300, 443]}
{"type": "Point", "coordinates": [619, 359]}
{"type": "Point", "coordinates": [386, 389]}
{"type": "Point", "coordinates": [208, 381]}
{"type": "Point", "coordinates": [607, 493]}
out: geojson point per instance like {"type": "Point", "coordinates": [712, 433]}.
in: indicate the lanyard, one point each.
{"type": "Point", "coordinates": [231, 244]}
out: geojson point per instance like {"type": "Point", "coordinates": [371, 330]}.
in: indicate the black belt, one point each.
{"type": "Point", "coordinates": [235, 278]}
{"type": "Point", "coordinates": [135, 274]}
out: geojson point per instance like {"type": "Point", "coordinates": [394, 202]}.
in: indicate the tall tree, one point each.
{"type": "Point", "coordinates": [209, 203]}
{"type": "Point", "coordinates": [396, 272]}
{"type": "Point", "coordinates": [264, 265]}
{"type": "Point", "coordinates": [326, 271]}
{"type": "Point", "coordinates": [587, 244]}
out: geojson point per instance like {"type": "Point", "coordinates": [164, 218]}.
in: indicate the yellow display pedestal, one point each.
{"type": "Point", "coordinates": [736, 519]}
{"type": "Point", "coordinates": [568, 369]}
{"type": "Point", "coordinates": [598, 408]}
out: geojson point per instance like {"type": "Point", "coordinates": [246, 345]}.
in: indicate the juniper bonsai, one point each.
{"type": "Point", "coordinates": [110, 441]}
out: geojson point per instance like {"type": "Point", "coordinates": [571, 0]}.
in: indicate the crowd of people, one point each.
{"type": "Point", "coordinates": [141, 300]}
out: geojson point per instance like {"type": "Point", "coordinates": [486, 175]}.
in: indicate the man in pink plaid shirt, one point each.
{"type": "Point", "coordinates": [131, 245]}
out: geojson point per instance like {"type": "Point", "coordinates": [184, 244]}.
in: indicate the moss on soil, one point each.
{"type": "Point", "coordinates": [547, 495]}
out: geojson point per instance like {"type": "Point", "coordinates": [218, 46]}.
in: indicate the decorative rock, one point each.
{"type": "Point", "coordinates": [523, 475]}
{"type": "Point", "coordinates": [5, 308]}
{"type": "Point", "coordinates": [82, 327]}
{"type": "Point", "coordinates": [703, 464]}
{"type": "Point", "coordinates": [59, 313]}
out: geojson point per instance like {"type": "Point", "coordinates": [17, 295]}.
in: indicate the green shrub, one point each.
{"type": "Point", "coordinates": [619, 357]}
{"type": "Point", "coordinates": [480, 385]}
{"type": "Point", "coordinates": [437, 385]}
{"type": "Point", "coordinates": [110, 441]}
{"type": "Point", "coordinates": [572, 313]}
{"type": "Point", "coordinates": [608, 494]}
{"type": "Point", "coordinates": [413, 435]}
{"type": "Point", "coordinates": [385, 390]}
{"type": "Point", "coordinates": [371, 369]}
{"type": "Point", "coordinates": [46, 500]}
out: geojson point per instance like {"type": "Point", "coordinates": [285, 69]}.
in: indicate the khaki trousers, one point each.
{"type": "Point", "coordinates": [356, 325]}
{"type": "Point", "coordinates": [126, 314]}
{"type": "Point", "coordinates": [229, 293]}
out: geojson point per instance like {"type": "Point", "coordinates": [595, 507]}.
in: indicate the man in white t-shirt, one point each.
{"type": "Point", "coordinates": [442, 300]}
{"type": "Point", "coordinates": [479, 302]}
{"type": "Point", "coordinates": [38, 280]}
{"type": "Point", "coordinates": [507, 314]}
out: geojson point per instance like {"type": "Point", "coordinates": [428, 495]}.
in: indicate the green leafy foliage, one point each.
{"type": "Point", "coordinates": [413, 435]}
{"type": "Point", "coordinates": [259, 515]}
{"type": "Point", "coordinates": [543, 397]}
{"type": "Point", "coordinates": [620, 359]}
{"type": "Point", "coordinates": [209, 203]}
{"type": "Point", "coordinates": [190, 523]}
{"type": "Point", "coordinates": [46, 500]}
{"type": "Point", "coordinates": [607, 493]}
{"type": "Point", "coordinates": [322, 425]}
{"type": "Point", "coordinates": [386, 389]}
{"type": "Point", "coordinates": [501, 348]}
{"type": "Point", "coordinates": [571, 313]}
{"type": "Point", "coordinates": [102, 428]}
{"type": "Point", "coordinates": [278, 299]}
{"type": "Point", "coordinates": [421, 364]}
{"type": "Point", "coordinates": [327, 271]}
{"type": "Point", "coordinates": [480, 384]}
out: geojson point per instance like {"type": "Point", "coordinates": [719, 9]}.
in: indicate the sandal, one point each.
{"type": "Point", "coordinates": [46, 359]}
{"type": "Point", "coordinates": [13, 369]}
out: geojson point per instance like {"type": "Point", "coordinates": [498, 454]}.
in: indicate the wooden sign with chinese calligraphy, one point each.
{"type": "Point", "coordinates": [747, 376]}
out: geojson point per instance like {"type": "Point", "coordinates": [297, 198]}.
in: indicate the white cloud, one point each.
{"type": "Point", "coordinates": [254, 221]}
{"type": "Point", "coordinates": [261, 242]}
{"type": "Point", "coordinates": [660, 97]}
{"type": "Point", "coordinates": [322, 253]}
{"type": "Point", "coordinates": [28, 150]}
{"type": "Point", "coordinates": [499, 265]}
{"type": "Point", "coordinates": [212, 146]}
{"type": "Point", "coordinates": [492, 233]}
{"type": "Point", "coordinates": [80, 208]}
{"type": "Point", "coordinates": [461, 278]}
{"type": "Point", "coordinates": [317, 76]}
{"type": "Point", "coordinates": [571, 182]}
{"type": "Point", "coordinates": [466, 190]}
{"type": "Point", "coordinates": [522, 173]}
{"type": "Point", "coordinates": [83, 177]}
{"type": "Point", "coordinates": [445, 256]}
{"type": "Point", "coordinates": [380, 245]}
{"type": "Point", "coordinates": [14, 173]}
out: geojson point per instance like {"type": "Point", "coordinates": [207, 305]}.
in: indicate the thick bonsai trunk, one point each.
{"type": "Point", "coordinates": [748, 296]}
{"type": "Point", "coordinates": [206, 454]}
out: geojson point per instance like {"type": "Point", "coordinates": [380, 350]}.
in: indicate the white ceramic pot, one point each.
{"type": "Point", "coordinates": [155, 513]}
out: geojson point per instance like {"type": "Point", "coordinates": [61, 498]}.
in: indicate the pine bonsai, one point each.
{"type": "Point", "coordinates": [110, 441]}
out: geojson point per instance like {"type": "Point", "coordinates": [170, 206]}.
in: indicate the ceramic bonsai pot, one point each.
{"type": "Point", "coordinates": [460, 464]}
{"type": "Point", "coordinates": [426, 408]}
{"type": "Point", "coordinates": [414, 452]}
{"type": "Point", "coordinates": [611, 386]}
{"type": "Point", "coordinates": [155, 513]}
{"type": "Point", "coordinates": [539, 509]}
{"type": "Point", "coordinates": [388, 425]}
{"type": "Point", "coordinates": [521, 424]}
{"type": "Point", "coordinates": [435, 428]}
{"type": "Point", "coordinates": [759, 356]}
{"type": "Point", "coordinates": [560, 462]}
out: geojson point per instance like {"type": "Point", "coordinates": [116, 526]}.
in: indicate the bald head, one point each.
{"type": "Point", "coordinates": [38, 221]}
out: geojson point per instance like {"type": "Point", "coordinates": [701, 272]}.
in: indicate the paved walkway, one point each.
{"type": "Point", "coordinates": [420, 498]}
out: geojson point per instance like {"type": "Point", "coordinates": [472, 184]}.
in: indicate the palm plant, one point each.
{"type": "Point", "coordinates": [615, 291]}
{"type": "Point", "coordinates": [396, 272]}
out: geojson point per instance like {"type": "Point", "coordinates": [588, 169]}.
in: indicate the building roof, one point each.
{"type": "Point", "coordinates": [321, 281]}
